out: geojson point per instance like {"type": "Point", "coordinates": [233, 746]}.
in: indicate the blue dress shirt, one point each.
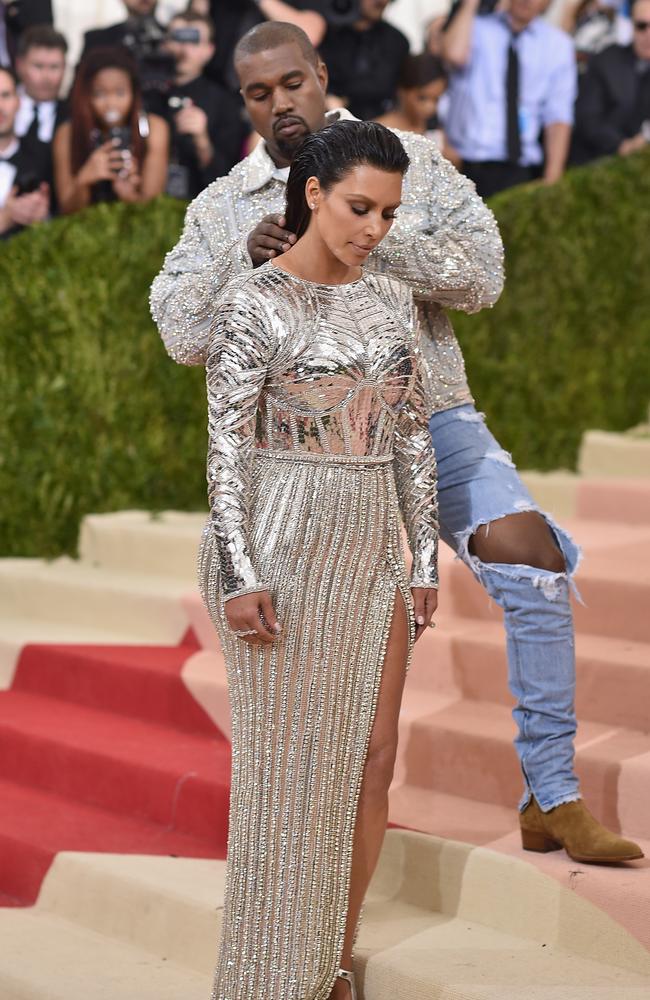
{"type": "Point", "coordinates": [476, 117]}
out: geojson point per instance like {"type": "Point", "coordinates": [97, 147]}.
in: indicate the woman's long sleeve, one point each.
{"type": "Point", "coordinates": [417, 480]}
{"type": "Point", "coordinates": [236, 369]}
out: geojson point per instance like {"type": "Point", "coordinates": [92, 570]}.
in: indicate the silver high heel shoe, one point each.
{"type": "Point", "coordinates": [349, 978]}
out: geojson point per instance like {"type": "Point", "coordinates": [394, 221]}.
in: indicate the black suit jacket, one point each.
{"type": "Point", "coordinates": [104, 37]}
{"type": "Point", "coordinates": [613, 101]}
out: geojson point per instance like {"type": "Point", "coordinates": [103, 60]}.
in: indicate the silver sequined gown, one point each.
{"type": "Point", "coordinates": [318, 439]}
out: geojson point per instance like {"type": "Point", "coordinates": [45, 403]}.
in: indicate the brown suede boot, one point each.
{"type": "Point", "coordinates": [572, 827]}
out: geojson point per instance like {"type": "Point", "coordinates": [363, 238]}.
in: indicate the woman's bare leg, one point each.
{"type": "Point", "coordinates": [372, 811]}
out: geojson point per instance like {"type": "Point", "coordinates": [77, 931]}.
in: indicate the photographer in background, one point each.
{"type": "Point", "coordinates": [513, 77]}
{"type": "Point", "coordinates": [364, 59]}
{"type": "Point", "coordinates": [143, 35]}
{"type": "Point", "coordinates": [207, 128]}
{"type": "Point", "coordinates": [24, 191]}
{"type": "Point", "coordinates": [110, 150]}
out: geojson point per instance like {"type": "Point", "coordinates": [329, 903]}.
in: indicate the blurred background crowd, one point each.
{"type": "Point", "coordinates": [103, 101]}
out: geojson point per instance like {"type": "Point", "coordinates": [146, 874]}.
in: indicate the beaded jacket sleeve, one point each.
{"type": "Point", "coordinates": [445, 242]}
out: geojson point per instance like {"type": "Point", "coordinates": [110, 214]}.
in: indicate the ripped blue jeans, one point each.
{"type": "Point", "coordinates": [478, 484]}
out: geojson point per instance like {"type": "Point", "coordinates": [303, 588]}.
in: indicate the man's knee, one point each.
{"type": "Point", "coordinates": [524, 539]}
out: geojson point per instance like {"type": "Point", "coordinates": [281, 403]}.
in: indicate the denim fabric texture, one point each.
{"type": "Point", "coordinates": [478, 484]}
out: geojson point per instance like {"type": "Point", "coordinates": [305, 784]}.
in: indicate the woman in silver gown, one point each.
{"type": "Point", "coordinates": [318, 439]}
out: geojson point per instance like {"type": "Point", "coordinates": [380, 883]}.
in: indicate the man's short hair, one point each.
{"type": "Point", "coordinates": [41, 36]}
{"type": "Point", "coordinates": [271, 35]}
{"type": "Point", "coordinates": [193, 17]}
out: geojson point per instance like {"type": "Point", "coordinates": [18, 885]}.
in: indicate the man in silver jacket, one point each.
{"type": "Point", "coordinates": [445, 244]}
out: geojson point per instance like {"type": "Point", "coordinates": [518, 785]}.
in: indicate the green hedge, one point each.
{"type": "Point", "coordinates": [96, 417]}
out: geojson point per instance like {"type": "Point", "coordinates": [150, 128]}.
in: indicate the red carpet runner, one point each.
{"type": "Point", "coordinates": [103, 748]}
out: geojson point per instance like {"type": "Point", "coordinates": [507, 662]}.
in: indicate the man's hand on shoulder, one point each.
{"type": "Point", "coordinates": [269, 239]}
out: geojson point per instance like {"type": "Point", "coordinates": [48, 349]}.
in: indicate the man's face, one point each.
{"type": "Point", "coordinates": [522, 12]}
{"type": "Point", "coordinates": [373, 10]}
{"type": "Point", "coordinates": [41, 73]}
{"type": "Point", "coordinates": [641, 22]}
{"type": "Point", "coordinates": [9, 102]}
{"type": "Point", "coordinates": [140, 8]}
{"type": "Point", "coordinates": [190, 58]}
{"type": "Point", "coordinates": [285, 97]}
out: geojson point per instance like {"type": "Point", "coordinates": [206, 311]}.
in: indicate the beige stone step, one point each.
{"type": "Point", "coordinates": [66, 591]}
{"type": "Point", "coordinates": [442, 919]}
{"type": "Point", "coordinates": [605, 454]}
{"type": "Point", "coordinates": [141, 542]}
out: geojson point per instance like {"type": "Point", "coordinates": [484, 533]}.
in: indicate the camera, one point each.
{"type": "Point", "coordinates": [144, 40]}
{"type": "Point", "coordinates": [119, 134]}
{"type": "Point", "coordinates": [189, 36]}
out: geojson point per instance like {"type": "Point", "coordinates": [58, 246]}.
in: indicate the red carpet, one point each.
{"type": "Point", "coordinates": [102, 748]}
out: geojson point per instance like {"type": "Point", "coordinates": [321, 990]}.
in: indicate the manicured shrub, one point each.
{"type": "Point", "coordinates": [97, 418]}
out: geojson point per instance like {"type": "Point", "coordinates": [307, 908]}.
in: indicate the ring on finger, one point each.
{"type": "Point", "coordinates": [243, 632]}
{"type": "Point", "coordinates": [431, 625]}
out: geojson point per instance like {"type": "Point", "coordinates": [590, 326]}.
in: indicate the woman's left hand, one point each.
{"type": "Point", "coordinates": [425, 602]}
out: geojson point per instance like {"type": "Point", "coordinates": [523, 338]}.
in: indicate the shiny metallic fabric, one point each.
{"type": "Point", "coordinates": [444, 243]}
{"type": "Point", "coordinates": [318, 438]}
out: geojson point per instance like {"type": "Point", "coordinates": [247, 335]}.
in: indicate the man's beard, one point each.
{"type": "Point", "coordinates": [289, 147]}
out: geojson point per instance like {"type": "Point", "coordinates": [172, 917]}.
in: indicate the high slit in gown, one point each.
{"type": "Point", "coordinates": [318, 440]}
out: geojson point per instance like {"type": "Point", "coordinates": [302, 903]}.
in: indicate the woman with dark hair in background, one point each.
{"type": "Point", "coordinates": [110, 150]}
{"type": "Point", "coordinates": [318, 437]}
{"type": "Point", "coordinates": [422, 82]}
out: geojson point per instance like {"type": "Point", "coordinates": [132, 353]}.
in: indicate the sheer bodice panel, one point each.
{"type": "Point", "coordinates": [342, 369]}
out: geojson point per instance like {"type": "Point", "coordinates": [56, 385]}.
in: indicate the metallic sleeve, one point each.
{"type": "Point", "coordinates": [416, 478]}
{"type": "Point", "coordinates": [236, 368]}
{"type": "Point", "coordinates": [445, 242]}
{"type": "Point", "coordinates": [183, 294]}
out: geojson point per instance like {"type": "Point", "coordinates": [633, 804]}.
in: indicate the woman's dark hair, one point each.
{"type": "Point", "coordinates": [332, 153]}
{"type": "Point", "coordinates": [82, 117]}
{"type": "Point", "coordinates": [418, 71]}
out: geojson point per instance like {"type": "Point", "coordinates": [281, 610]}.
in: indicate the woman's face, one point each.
{"type": "Point", "coordinates": [353, 216]}
{"type": "Point", "coordinates": [421, 103]}
{"type": "Point", "coordinates": [111, 96]}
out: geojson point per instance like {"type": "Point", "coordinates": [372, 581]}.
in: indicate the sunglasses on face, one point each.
{"type": "Point", "coordinates": [641, 25]}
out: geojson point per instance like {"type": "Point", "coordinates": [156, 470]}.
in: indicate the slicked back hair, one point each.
{"type": "Point", "coordinates": [271, 35]}
{"type": "Point", "coordinates": [332, 153]}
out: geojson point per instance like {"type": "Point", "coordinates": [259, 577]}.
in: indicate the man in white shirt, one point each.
{"type": "Point", "coordinates": [40, 64]}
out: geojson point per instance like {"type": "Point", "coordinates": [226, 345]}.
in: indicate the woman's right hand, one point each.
{"type": "Point", "coordinates": [103, 164]}
{"type": "Point", "coordinates": [253, 614]}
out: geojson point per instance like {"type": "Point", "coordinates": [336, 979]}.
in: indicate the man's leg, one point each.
{"type": "Point", "coordinates": [525, 562]}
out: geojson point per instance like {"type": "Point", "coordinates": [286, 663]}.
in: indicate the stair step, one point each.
{"type": "Point", "coordinates": [136, 541]}
{"type": "Point", "coordinates": [466, 749]}
{"type": "Point", "coordinates": [77, 964]}
{"type": "Point", "coordinates": [613, 674]}
{"type": "Point", "coordinates": [36, 825]}
{"type": "Point", "coordinates": [621, 891]}
{"type": "Point", "coordinates": [614, 455]}
{"type": "Point", "coordinates": [137, 768]}
{"type": "Point", "coordinates": [146, 606]}
{"type": "Point", "coordinates": [138, 681]}
{"type": "Point", "coordinates": [618, 500]}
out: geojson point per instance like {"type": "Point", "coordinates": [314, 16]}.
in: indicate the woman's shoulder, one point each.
{"type": "Point", "coordinates": [157, 126]}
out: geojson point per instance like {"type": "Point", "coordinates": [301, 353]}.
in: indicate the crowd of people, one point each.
{"type": "Point", "coordinates": [508, 96]}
